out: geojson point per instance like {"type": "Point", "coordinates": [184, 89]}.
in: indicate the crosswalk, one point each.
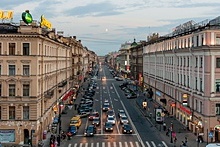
{"type": "Point", "coordinates": [120, 144]}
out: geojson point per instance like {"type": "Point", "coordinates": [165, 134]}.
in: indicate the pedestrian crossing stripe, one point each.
{"type": "Point", "coordinates": [118, 144]}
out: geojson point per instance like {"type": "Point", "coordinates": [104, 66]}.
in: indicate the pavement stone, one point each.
{"type": "Point", "coordinates": [179, 129]}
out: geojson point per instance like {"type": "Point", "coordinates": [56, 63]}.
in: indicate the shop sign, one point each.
{"type": "Point", "coordinates": [6, 14]}
{"type": "Point", "coordinates": [27, 17]}
{"type": "Point", "coordinates": [184, 109]}
{"type": "Point", "coordinates": [45, 23]}
{"type": "Point", "coordinates": [158, 93]}
{"type": "Point", "coordinates": [158, 115]}
{"type": "Point", "coordinates": [7, 135]}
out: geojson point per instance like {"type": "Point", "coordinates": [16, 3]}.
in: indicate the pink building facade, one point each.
{"type": "Point", "coordinates": [183, 70]}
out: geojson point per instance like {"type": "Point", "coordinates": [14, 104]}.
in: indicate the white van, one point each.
{"type": "Point", "coordinates": [213, 145]}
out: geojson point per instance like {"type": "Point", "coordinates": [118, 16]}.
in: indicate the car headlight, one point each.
{"type": "Point", "coordinates": [124, 130]}
{"type": "Point", "coordinates": [111, 128]}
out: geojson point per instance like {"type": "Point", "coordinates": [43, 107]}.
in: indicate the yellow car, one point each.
{"type": "Point", "coordinates": [76, 121]}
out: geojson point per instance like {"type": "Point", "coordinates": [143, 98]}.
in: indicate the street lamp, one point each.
{"type": "Point", "coordinates": [59, 126]}
{"type": "Point", "coordinates": [171, 133]}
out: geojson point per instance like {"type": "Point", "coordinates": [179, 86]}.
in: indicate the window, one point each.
{"type": "Point", "coordinates": [26, 70]}
{"type": "Point", "coordinates": [11, 112]}
{"type": "Point", "coordinates": [0, 112]}
{"type": "Point", "coordinates": [0, 89]}
{"type": "Point", "coordinates": [26, 112]}
{"type": "Point", "coordinates": [11, 89]}
{"type": "Point", "coordinates": [201, 62]}
{"type": "Point", "coordinates": [11, 48]}
{"type": "Point", "coordinates": [196, 62]}
{"type": "Point", "coordinates": [217, 85]}
{"type": "Point", "coordinates": [26, 48]}
{"type": "Point", "coordinates": [201, 84]}
{"type": "Point", "coordinates": [0, 69]}
{"type": "Point", "coordinates": [1, 48]}
{"type": "Point", "coordinates": [11, 70]}
{"type": "Point", "coordinates": [217, 109]}
{"type": "Point", "coordinates": [26, 89]}
{"type": "Point", "coordinates": [217, 62]}
{"type": "Point", "coordinates": [196, 83]}
{"type": "Point", "coordinates": [218, 39]}
{"type": "Point", "coordinates": [200, 107]}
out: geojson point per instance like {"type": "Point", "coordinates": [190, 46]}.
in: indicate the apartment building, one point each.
{"type": "Point", "coordinates": [36, 73]}
{"type": "Point", "coordinates": [183, 70]}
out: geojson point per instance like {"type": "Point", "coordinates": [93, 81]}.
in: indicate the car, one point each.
{"type": "Point", "coordinates": [120, 113]}
{"type": "Point", "coordinates": [119, 79]}
{"type": "Point", "coordinates": [105, 107]}
{"type": "Point", "coordinates": [103, 78]}
{"type": "Point", "coordinates": [72, 130]}
{"type": "Point", "coordinates": [111, 119]}
{"type": "Point", "coordinates": [108, 126]}
{"type": "Point", "coordinates": [126, 129]}
{"type": "Point", "coordinates": [132, 96]}
{"type": "Point", "coordinates": [110, 113]}
{"type": "Point", "coordinates": [90, 130]}
{"type": "Point", "coordinates": [92, 115]}
{"type": "Point", "coordinates": [96, 121]}
{"type": "Point", "coordinates": [124, 119]}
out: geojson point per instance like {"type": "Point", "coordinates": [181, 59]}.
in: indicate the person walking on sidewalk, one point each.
{"type": "Point", "coordinates": [164, 126]}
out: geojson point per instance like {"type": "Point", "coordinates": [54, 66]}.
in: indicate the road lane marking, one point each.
{"type": "Point", "coordinates": [81, 144]}
{"type": "Point", "coordinates": [126, 144]}
{"type": "Point", "coordinates": [80, 135]}
{"type": "Point", "coordinates": [154, 145]}
{"type": "Point", "coordinates": [132, 124]}
{"type": "Point", "coordinates": [120, 144]}
{"type": "Point", "coordinates": [86, 145]}
{"type": "Point", "coordinates": [109, 144]}
{"type": "Point", "coordinates": [164, 144]}
{"type": "Point", "coordinates": [148, 144]}
{"type": "Point", "coordinates": [97, 144]}
{"type": "Point", "coordinates": [103, 144]}
{"type": "Point", "coordinates": [92, 144]}
{"type": "Point", "coordinates": [137, 144]}
{"type": "Point", "coordinates": [114, 144]}
{"type": "Point", "coordinates": [69, 145]}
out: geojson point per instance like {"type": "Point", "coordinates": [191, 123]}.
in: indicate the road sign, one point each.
{"type": "Point", "coordinates": [210, 134]}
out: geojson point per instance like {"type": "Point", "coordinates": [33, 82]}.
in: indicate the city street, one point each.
{"type": "Point", "coordinates": [143, 134]}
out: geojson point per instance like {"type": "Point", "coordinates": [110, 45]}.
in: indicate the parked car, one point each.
{"type": "Point", "coordinates": [108, 126]}
{"type": "Point", "coordinates": [132, 96]}
{"type": "Point", "coordinates": [90, 130]}
{"type": "Point", "coordinates": [72, 130]}
{"type": "Point", "coordinates": [126, 129]}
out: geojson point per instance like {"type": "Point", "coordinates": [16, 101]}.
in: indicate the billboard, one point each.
{"type": "Point", "coordinates": [158, 115]}
{"type": "Point", "coordinates": [27, 17]}
{"type": "Point", "coordinates": [6, 14]}
{"type": "Point", "coordinates": [45, 23]}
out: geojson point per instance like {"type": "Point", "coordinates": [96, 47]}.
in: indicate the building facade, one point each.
{"type": "Point", "coordinates": [182, 69]}
{"type": "Point", "coordinates": [38, 70]}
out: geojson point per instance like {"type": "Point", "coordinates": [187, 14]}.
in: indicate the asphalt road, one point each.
{"type": "Point", "coordinates": [143, 134]}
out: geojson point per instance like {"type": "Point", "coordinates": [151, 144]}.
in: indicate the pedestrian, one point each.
{"type": "Point", "coordinates": [75, 106]}
{"type": "Point", "coordinates": [164, 126]}
{"type": "Point", "coordinates": [168, 131]}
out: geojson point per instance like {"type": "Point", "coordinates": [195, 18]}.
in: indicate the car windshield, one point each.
{"type": "Point", "coordinates": [74, 121]}
{"type": "Point", "coordinates": [110, 118]}
{"type": "Point", "coordinates": [96, 119]}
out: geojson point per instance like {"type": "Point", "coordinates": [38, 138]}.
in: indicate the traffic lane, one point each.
{"type": "Point", "coordinates": [100, 139]}
{"type": "Point", "coordinates": [143, 127]}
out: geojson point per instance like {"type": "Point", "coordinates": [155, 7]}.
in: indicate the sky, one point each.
{"type": "Point", "coordinates": [103, 25]}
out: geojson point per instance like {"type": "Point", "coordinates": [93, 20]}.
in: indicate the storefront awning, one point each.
{"type": "Point", "coordinates": [67, 95]}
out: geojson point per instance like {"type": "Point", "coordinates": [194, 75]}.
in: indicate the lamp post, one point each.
{"type": "Point", "coordinates": [171, 133]}
{"type": "Point", "coordinates": [59, 126]}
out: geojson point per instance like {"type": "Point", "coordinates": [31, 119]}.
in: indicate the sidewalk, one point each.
{"type": "Point", "coordinates": [72, 111]}
{"type": "Point", "coordinates": [179, 129]}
